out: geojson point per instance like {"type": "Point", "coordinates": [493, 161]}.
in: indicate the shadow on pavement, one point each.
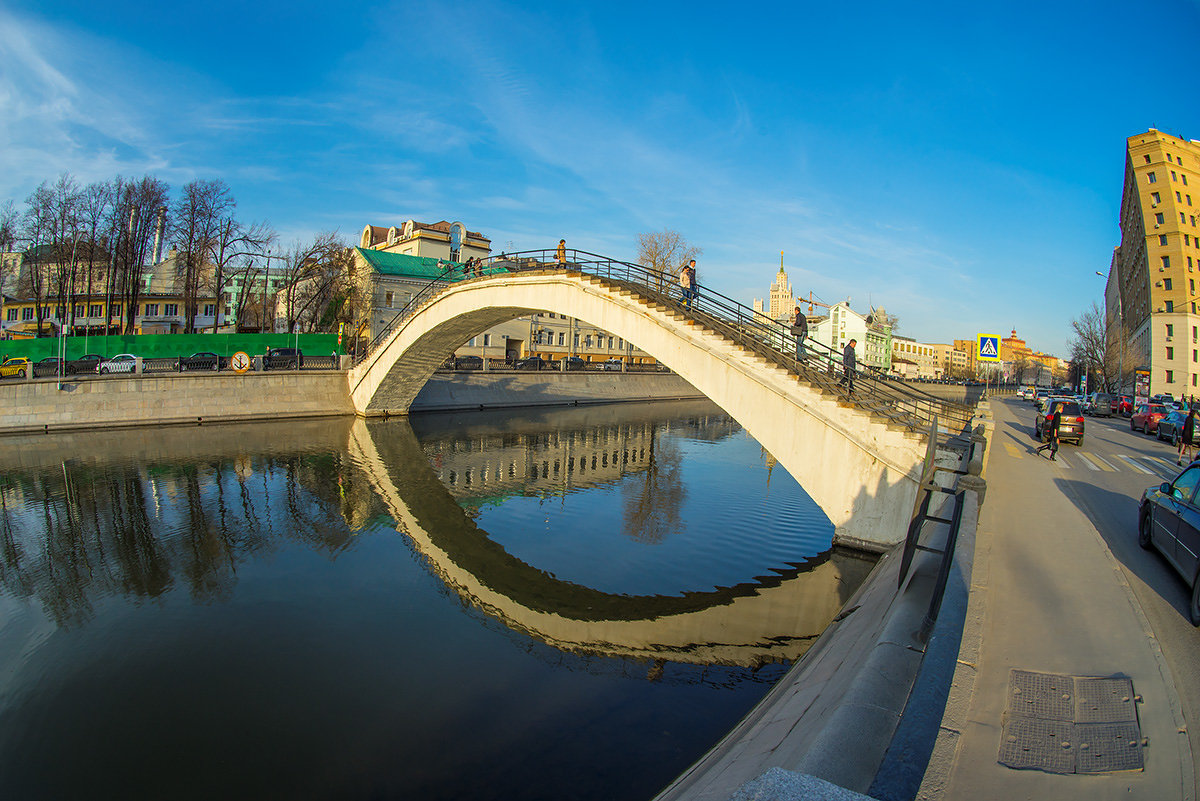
{"type": "Point", "coordinates": [1114, 515]}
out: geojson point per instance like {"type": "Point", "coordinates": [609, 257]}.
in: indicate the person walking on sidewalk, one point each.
{"type": "Point", "coordinates": [1052, 431]}
{"type": "Point", "coordinates": [800, 332]}
{"type": "Point", "coordinates": [1187, 438]}
{"type": "Point", "coordinates": [849, 363]}
{"type": "Point", "coordinates": [687, 282]}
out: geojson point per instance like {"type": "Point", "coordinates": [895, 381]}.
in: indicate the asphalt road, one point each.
{"type": "Point", "coordinates": [1105, 478]}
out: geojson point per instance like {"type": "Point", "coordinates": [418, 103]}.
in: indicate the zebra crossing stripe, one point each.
{"type": "Point", "coordinates": [1129, 461]}
{"type": "Point", "coordinates": [1103, 465]}
{"type": "Point", "coordinates": [1164, 465]}
{"type": "Point", "coordinates": [1087, 461]}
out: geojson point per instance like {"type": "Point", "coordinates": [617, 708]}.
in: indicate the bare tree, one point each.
{"type": "Point", "coordinates": [1096, 349]}
{"type": "Point", "coordinates": [10, 229]}
{"type": "Point", "coordinates": [311, 273]}
{"type": "Point", "coordinates": [665, 251]}
{"type": "Point", "coordinates": [199, 214]}
{"type": "Point", "coordinates": [95, 206]}
{"type": "Point", "coordinates": [234, 240]}
{"type": "Point", "coordinates": [132, 222]}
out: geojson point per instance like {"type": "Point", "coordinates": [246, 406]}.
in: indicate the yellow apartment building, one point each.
{"type": "Point", "coordinates": [1158, 259]}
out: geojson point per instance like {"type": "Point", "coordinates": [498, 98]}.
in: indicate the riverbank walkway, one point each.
{"type": "Point", "coordinates": [1048, 597]}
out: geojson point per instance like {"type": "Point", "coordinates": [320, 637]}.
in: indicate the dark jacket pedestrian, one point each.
{"type": "Point", "coordinates": [800, 332]}
{"type": "Point", "coordinates": [1051, 430]}
{"type": "Point", "coordinates": [1188, 438]}
{"type": "Point", "coordinates": [849, 364]}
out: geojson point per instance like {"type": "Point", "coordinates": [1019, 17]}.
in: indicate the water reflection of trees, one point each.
{"type": "Point", "coordinates": [71, 536]}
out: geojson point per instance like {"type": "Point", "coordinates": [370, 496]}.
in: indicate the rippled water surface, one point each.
{"type": "Point", "coordinates": [570, 603]}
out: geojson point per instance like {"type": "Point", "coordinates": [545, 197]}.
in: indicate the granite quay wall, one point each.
{"type": "Point", "coordinates": [40, 406]}
{"type": "Point", "coordinates": [462, 391]}
{"type": "Point", "coordinates": [45, 405]}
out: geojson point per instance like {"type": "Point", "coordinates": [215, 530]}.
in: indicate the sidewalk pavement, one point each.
{"type": "Point", "coordinates": [1048, 596]}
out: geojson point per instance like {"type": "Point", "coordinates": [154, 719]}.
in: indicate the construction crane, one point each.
{"type": "Point", "coordinates": [811, 301]}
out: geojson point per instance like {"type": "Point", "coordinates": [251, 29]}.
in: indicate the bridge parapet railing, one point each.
{"type": "Point", "coordinates": [900, 403]}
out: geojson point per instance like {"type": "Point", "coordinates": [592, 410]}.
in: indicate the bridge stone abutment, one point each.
{"type": "Point", "coordinates": [861, 472]}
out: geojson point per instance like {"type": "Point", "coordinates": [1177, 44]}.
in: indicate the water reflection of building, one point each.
{"type": "Point", "coordinates": [550, 462]}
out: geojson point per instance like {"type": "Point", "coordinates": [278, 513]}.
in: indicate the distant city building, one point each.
{"type": "Point", "coordinates": [1156, 262]}
{"type": "Point", "coordinates": [913, 359]}
{"type": "Point", "coordinates": [782, 302]}
{"type": "Point", "coordinates": [873, 334]}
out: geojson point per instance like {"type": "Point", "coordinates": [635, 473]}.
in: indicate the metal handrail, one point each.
{"type": "Point", "coordinates": [767, 338]}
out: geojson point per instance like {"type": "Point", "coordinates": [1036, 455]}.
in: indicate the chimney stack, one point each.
{"type": "Point", "coordinates": [158, 234]}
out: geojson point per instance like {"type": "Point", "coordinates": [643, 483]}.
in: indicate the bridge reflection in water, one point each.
{"type": "Point", "coordinates": [235, 596]}
{"type": "Point", "coordinates": [765, 618]}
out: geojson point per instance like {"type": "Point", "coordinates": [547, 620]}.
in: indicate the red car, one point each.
{"type": "Point", "coordinates": [1125, 406]}
{"type": "Point", "coordinates": [1146, 417]}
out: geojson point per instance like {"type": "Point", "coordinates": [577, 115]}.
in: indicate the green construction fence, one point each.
{"type": "Point", "coordinates": [155, 346]}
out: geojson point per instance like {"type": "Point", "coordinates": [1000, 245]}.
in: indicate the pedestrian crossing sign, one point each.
{"type": "Point", "coordinates": [989, 348]}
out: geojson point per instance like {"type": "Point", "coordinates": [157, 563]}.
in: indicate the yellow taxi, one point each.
{"type": "Point", "coordinates": [17, 366]}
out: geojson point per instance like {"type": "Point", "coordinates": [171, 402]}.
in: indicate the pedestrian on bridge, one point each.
{"type": "Point", "coordinates": [800, 332]}
{"type": "Point", "coordinates": [561, 254]}
{"type": "Point", "coordinates": [687, 281]}
{"type": "Point", "coordinates": [1187, 438]}
{"type": "Point", "coordinates": [849, 363]}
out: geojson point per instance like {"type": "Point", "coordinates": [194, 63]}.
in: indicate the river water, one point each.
{"type": "Point", "coordinates": [574, 603]}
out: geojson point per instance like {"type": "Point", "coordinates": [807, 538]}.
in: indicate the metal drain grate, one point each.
{"type": "Point", "coordinates": [1070, 724]}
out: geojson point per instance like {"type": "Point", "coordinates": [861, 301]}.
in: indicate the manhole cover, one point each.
{"type": "Point", "coordinates": [1039, 744]}
{"type": "Point", "coordinates": [1104, 701]}
{"type": "Point", "coordinates": [1042, 695]}
{"type": "Point", "coordinates": [1070, 724]}
{"type": "Point", "coordinates": [1108, 747]}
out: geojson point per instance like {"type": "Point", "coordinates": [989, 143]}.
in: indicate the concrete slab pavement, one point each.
{"type": "Point", "coordinates": [1049, 596]}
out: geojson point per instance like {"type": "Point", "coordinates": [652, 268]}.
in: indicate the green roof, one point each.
{"type": "Point", "coordinates": [404, 265]}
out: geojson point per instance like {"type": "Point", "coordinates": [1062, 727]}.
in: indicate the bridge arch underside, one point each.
{"type": "Point", "coordinates": [861, 473]}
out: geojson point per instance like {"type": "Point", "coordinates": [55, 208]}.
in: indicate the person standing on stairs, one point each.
{"type": "Point", "coordinates": [800, 332]}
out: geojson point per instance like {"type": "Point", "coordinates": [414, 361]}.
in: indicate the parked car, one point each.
{"type": "Point", "coordinates": [204, 360]}
{"type": "Point", "coordinates": [1070, 422]}
{"type": "Point", "coordinates": [1146, 417]}
{"type": "Point", "coordinates": [51, 365]}
{"type": "Point", "coordinates": [1125, 405]}
{"type": "Point", "coordinates": [1169, 520]}
{"type": "Point", "coordinates": [613, 365]}
{"type": "Point", "coordinates": [121, 363]}
{"type": "Point", "coordinates": [283, 359]}
{"type": "Point", "coordinates": [572, 363]}
{"type": "Point", "coordinates": [15, 367]}
{"type": "Point", "coordinates": [88, 363]}
{"type": "Point", "coordinates": [468, 363]}
{"type": "Point", "coordinates": [1101, 405]}
{"type": "Point", "coordinates": [1170, 428]}
{"type": "Point", "coordinates": [531, 363]}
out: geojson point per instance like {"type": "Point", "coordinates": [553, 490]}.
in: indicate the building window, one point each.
{"type": "Point", "coordinates": [1158, 218]}
{"type": "Point", "coordinates": [1154, 197]}
{"type": "Point", "coordinates": [210, 309]}
{"type": "Point", "coordinates": [610, 343]}
{"type": "Point", "coordinates": [96, 310]}
{"type": "Point", "coordinates": [171, 310]}
{"type": "Point", "coordinates": [27, 313]}
{"type": "Point", "coordinates": [151, 310]}
{"type": "Point", "coordinates": [587, 341]}
{"type": "Point", "coordinates": [1166, 283]}
{"type": "Point", "coordinates": [1151, 178]}
{"type": "Point", "coordinates": [1178, 199]}
{"type": "Point", "coordinates": [1170, 353]}
{"type": "Point", "coordinates": [1162, 239]}
{"type": "Point", "coordinates": [1170, 376]}
{"type": "Point", "coordinates": [388, 298]}
{"type": "Point", "coordinates": [487, 340]}
{"type": "Point", "coordinates": [577, 342]}
{"type": "Point", "coordinates": [1173, 178]}
{"type": "Point", "coordinates": [1147, 158]}
{"type": "Point", "coordinates": [114, 310]}
{"type": "Point", "coordinates": [12, 314]}
{"type": "Point", "coordinates": [77, 310]}
{"type": "Point", "coordinates": [1170, 304]}
{"type": "Point", "coordinates": [1166, 262]}
{"type": "Point", "coordinates": [562, 339]}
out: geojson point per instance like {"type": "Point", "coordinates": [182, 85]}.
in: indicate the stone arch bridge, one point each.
{"type": "Point", "coordinates": [859, 458]}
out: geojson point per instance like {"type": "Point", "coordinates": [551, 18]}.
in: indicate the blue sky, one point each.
{"type": "Point", "coordinates": [947, 161]}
